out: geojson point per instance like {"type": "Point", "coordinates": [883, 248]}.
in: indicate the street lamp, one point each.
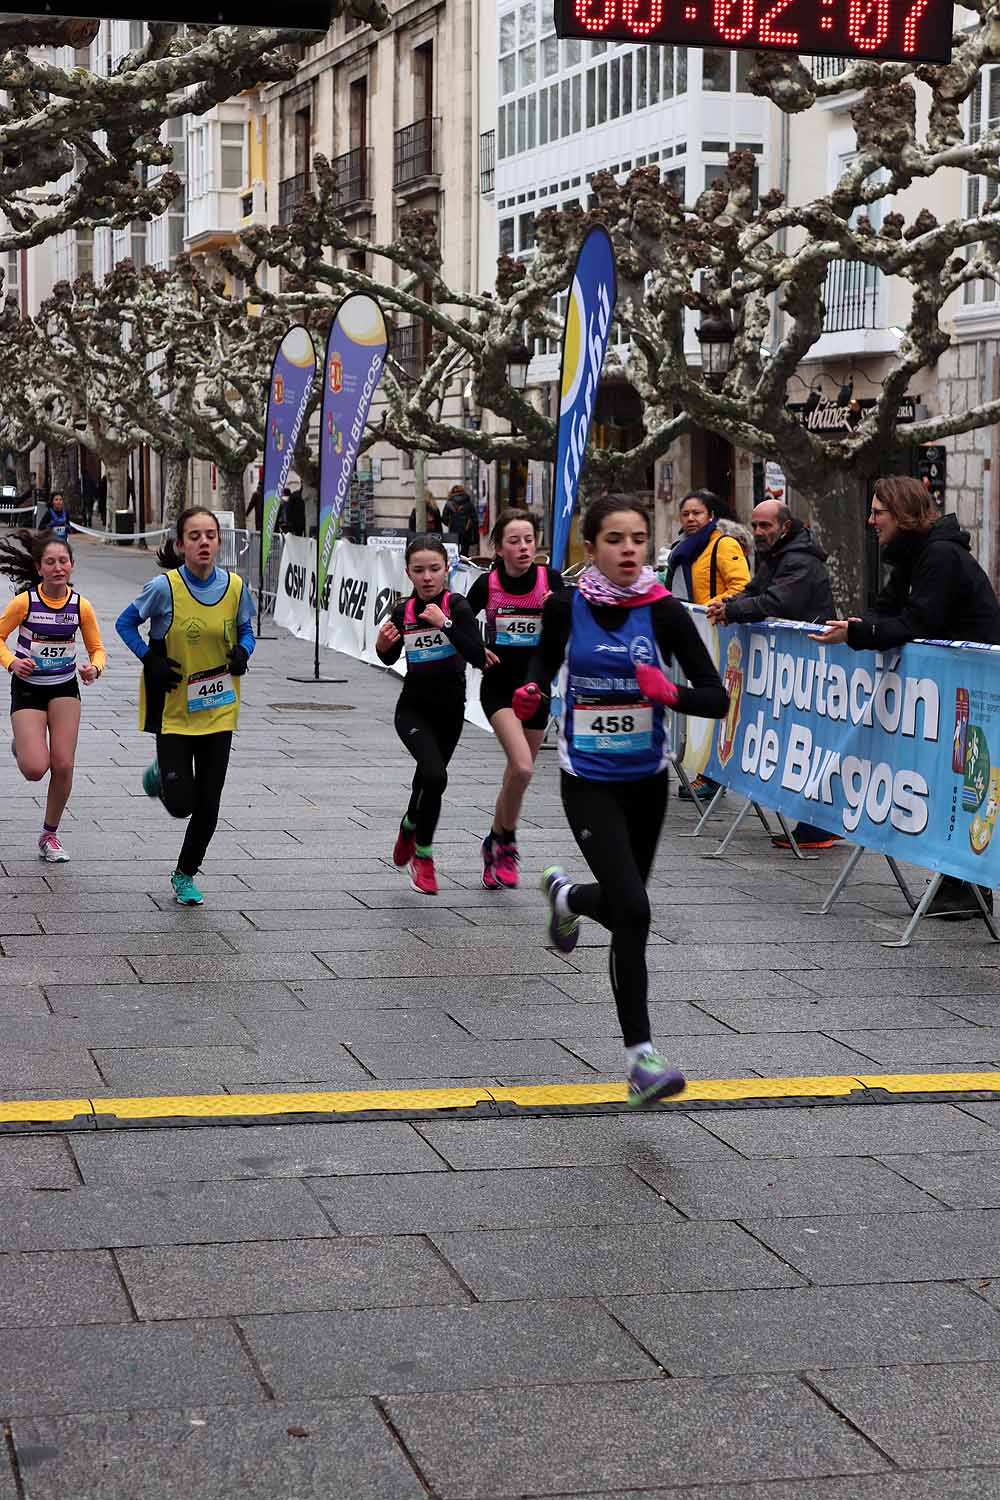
{"type": "Point", "coordinates": [518, 360]}
{"type": "Point", "coordinates": [716, 334]}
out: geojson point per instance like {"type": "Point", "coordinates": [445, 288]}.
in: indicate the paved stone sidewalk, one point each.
{"type": "Point", "coordinates": [799, 1303]}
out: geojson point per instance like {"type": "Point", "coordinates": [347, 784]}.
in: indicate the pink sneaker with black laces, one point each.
{"type": "Point", "coordinates": [505, 863]}
{"type": "Point", "coordinates": [403, 849]}
{"type": "Point", "coordinates": [488, 851]}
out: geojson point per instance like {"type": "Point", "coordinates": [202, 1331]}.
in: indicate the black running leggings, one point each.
{"type": "Point", "coordinates": [617, 825]}
{"type": "Point", "coordinates": [192, 774]}
{"type": "Point", "coordinates": [430, 734]}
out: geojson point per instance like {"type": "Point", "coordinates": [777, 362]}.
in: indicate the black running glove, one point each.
{"type": "Point", "coordinates": [161, 672]}
{"type": "Point", "coordinates": [238, 659]}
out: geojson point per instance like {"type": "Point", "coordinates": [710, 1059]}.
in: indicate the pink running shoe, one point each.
{"type": "Point", "coordinates": [488, 852]}
{"type": "Point", "coordinates": [50, 849]}
{"type": "Point", "coordinates": [422, 876]}
{"type": "Point", "coordinates": [402, 849]}
{"type": "Point", "coordinates": [505, 862]}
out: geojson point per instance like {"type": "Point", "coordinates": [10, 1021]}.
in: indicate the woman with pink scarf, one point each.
{"type": "Point", "coordinates": [609, 643]}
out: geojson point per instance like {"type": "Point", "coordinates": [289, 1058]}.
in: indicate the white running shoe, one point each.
{"type": "Point", "coordinates": [50, 849]}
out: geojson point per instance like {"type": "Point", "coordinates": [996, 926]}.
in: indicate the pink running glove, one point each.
{"type": "Point", "coordinates": [526, 701]}
{"type": "Point", "coordinates": [654, 686]}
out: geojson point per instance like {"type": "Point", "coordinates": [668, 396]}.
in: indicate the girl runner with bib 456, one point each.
{"type": "Point", "coordinates": [609, 642]}
{"type": "Point", "coordinates": [437, 631]}
{"type": "Point", "coordinates": [44, 692]}
{"type": "Point", "coordinates": [200, 640]}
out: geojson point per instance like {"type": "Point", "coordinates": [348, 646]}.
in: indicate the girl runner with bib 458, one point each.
{"type": "Point", "coordinates": [44, 692]}
{"type": "Point", "coordinates": [609, 642]}
{"type": "Point", "coordinates": [200, 640]}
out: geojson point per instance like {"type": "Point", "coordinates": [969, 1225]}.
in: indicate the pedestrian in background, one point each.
{"type": "Point", "coordinates": [459, 516]}
{"type": "Point", "coordinates": [707, 564]}
{"type": "Point", "coordinates": [790, 582]}
{"type": "Point", "coordinates": [936, 590]}
{"type": "Point", "coordinates": [434, 525]}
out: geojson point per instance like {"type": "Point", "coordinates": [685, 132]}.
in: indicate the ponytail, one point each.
{"type": "Point", "coordinates": [21, 553]}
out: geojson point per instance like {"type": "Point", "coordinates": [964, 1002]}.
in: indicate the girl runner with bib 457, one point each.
{"type": "Point", "coordinates": [609, 642]}
{"type": "Point", "coordinates": [200, 640]}
{"type": "Point", "coordinates": [44, 692]}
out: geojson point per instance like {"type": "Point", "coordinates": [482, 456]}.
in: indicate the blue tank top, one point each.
{"type": "Point", "coordinates": [608, 731]}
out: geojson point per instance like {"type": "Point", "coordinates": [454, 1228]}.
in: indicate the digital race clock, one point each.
{"type": "Point", "coordinates": [908, 30]}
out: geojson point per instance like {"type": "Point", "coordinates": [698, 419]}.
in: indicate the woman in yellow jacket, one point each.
{"type": "Point", "coordinates": [705, 565]}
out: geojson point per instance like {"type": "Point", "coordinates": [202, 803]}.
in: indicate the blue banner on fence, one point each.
{"type": "Point", "coordinates": [585, 338]}
{"type": "Point", "coordinates": [892, 750]}
{"type": "Point", "coordinates": [292, 373]}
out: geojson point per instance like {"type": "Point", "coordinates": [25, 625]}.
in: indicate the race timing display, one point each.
{"type": "Point", "coordinates": [903, 30]}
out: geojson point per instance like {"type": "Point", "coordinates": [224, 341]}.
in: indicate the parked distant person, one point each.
{"type": "Point", "coordinates": [295, 512]}
{"type": "Point", "coordinates": [790, 582]}
{"type": "Point", "coordinates": [707, 563]}
{"type": "Point", "coordinates": [281, 517]}
{"type": "Point", "coordinates": [102, 499]}
{"type": "Point", "coordinates": [434, 523]}
{"type": "Point", "coordinates": [56, 518]}
{"type": "Point", "coordinates": [937, 589]}
{"type": "Point", "coordinates": [255, 506]}
{"type": "Point", "coordinates": [460, 516]}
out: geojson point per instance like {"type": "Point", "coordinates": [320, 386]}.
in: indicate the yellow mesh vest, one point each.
{"type": "Point", "coordinates": [200, 638]}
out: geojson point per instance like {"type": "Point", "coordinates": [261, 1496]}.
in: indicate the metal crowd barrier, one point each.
{"type": "Point", "coordinates": [240, 552]}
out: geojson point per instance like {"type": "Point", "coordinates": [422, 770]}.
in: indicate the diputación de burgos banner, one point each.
{"type": "Point", "coordinates": [898, 751]}
{"type": "Point", "coordinates": [589, 310]}
{"type": "Point", "coordinates": [292, 374]}
{"type": "Point", "coordinates": [355, 355]}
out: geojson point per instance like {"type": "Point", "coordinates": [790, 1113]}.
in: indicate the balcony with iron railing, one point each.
{"type": "Point", "coordinates": [852, 297]}
{"type": "Point", "coordinates": [409, 349]}
{"type": "Point", "coordinates": [415, 155]}
{"type": "Point", "coordinates": [291, 192]}
{"type": "Point", "coordinates": [828, 67]}
{"type": "Point", "coordinates": [487, 160]}
{"type": "Point", "coordinates": [353, 177]}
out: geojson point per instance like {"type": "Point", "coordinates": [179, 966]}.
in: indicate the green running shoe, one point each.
{"type": "Point", "coordinates": [151, 783]}
{"type": "Point", "coordinates": [562, 932]}
{"type": "Point", "coordinates": [185, 890]}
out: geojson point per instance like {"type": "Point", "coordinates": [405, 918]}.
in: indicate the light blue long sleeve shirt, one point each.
{"type": "Point", "coordinates": [155, 606]}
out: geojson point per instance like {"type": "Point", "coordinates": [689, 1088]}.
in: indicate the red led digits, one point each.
{"type": "Point", "coordinates": [733, 28]}
{"type": "Point", "coordinates": [910, 27]}
{"type": "Point", "coordinates": [768, 37]}
{"type": "Point", "coordinates": [859, 17]}
{"type": "Point", "coordinates": [595, 16]}
{"type": "Point", "coordinates": [642, 16]}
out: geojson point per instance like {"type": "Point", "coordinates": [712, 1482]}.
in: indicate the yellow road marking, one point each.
{"type": "Point", "coordinates": [528, 1096]}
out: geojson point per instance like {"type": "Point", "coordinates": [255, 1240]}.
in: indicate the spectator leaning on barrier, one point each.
{"type": "Point", "coordinates": [707, 563]}
{"type": "Point", "coordinates": [790, 583]}
{"type": "Point", "coordinates": [937, 590]}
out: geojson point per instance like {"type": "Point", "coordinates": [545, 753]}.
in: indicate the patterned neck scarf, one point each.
{"type": "Point", "coordinates": [596, 588]}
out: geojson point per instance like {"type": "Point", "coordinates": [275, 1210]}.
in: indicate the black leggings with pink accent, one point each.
{"type": "Point", "coordinates": [617, 826]}
{"type": "Point", "coordinates": [430, 733]}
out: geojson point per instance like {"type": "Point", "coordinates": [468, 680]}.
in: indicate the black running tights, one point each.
{"type": "Point", "coordinates": [617, 826]}
{"type": "Point", "coordinates": [430, 735]}
{"type": "Point", "coordinates": [192, 774]}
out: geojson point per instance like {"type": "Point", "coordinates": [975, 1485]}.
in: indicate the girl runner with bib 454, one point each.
{"type": "Point", "coordinates": [200, 639]}
{"type": "Point", "coordinates": [609, 643]}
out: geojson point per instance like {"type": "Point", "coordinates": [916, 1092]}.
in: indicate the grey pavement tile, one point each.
{"type": "Point", "coordinates": [404, 993]}
{"type": "Point", "coordinates": [443, 1349]}
{"type": "Point", "coordinates": [325, 1151]}
{"type": "Point", "coordinates": [780, 1188]}
{"type": "Point", "coordinates": [570, 1442]}
{"type": "Point", "coordinates": [921, 1049]}
{"type": "Point", "coordinates": [771, 1054]}
{"type": "Point", "coordinates": [168, 1214]}
{"type": "Point", "coordinates": [346, 940]}
{"type": "Point", "coordinates": [838, 1015]}
{"type": "Point", "coordinates": [319, 1028]}
{"type": "Point", "coordinates": [428, 961]}
{"type": "Point", "coordinates": [36, 1162]}
{"type": "Point", "coordinates": [472, 1058]}
{"type": "Point", "coordinates": [850, 1130]}
{"type": "Point", "coordinates": [174, 919]}
{"type": "Point", "coordinates": [79, 945]}
{"type": "Point", "coordinates": [360, 919]}
{"type": "Point", "coordinates": [26, 1001]}
{"type": "Point", "coordinates": [121, 1029]}
{"type": "Point", "coordinates": [149, 1001]}
{"type": "Point", "coordinates": [61, 1287]}
{"type": "Point", "coordinates": [334, 1448]}
{"type": "Point", "coordinates": [553, 1141]}
{"type": "Point", "coordinates": [15, 922]}
{"type": "Point", "coordinates": [191, 1069]}
{"type": "Point", "coordinates": [923, 1416]}
{"type": "Point", "coordinates": [718, 958]}
{"type": "Point", "coordinates": [24, 971]}
{"type": "Point", "coordinates": [978, 1010]}
{"type": "Point", "coordinates": [71, 1070]}
{"type": "Point", "coordinates": [957, 1484]}
{"type": "Point", "coordinates": [510, 1264]}
{"type": "Point", "coordinates": [934, 977]}
{"type": "Point", "coordinates": [518, 1022]}
{"type": "Point", "coordinates": [946, 1246]}
{"type": "Point", "coordinates": [954, 1178]}
{"type": "Point", "coordinates": [690, 985]}
{"type": "Point", "coordinates": [285, 1275]}
{"type": "Point", "coordinates": [518, 1198]}
{"type": "Point", "coordinates": [327, 900]}
{"type": "Point", "coordinates": [126, 1366]}
{"type": "Point", "coordinates": [206, 967]}
{"type": "Point", "coordinates": [810, 1328]}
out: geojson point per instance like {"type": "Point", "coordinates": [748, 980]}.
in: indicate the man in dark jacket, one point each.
{"type": "Point", "coordinates": [937, 591]}
{"type": "Point", "coordinates": [790, 582]}
{"type": "Point", "coordinates": [459, 516]}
